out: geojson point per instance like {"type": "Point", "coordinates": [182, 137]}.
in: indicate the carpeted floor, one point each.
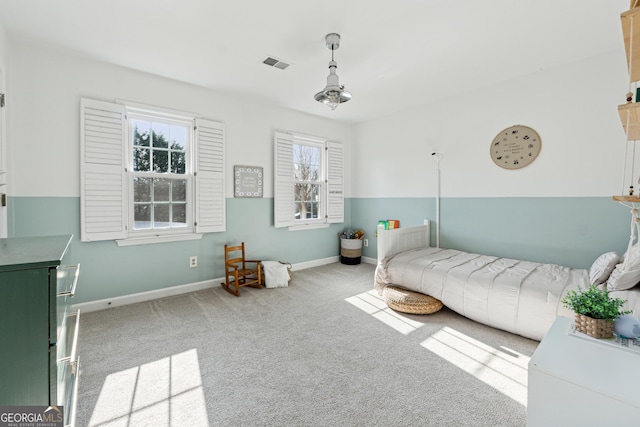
{"type": "Point", "coordinates": [323, 352]}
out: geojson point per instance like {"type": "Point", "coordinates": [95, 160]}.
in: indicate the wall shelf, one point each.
{"type": "Point", "coordinates": [631, 23]}
{"type": "Point", "coordinates": [627, 199]}
{"type": "Point", "coordinates": [630, 113]}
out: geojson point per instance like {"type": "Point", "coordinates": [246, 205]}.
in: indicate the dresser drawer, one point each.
{"type": "Point", "coordinates": [67, 362]}
{"type": "Point", "coordinates": [66, 284]}
{"type": "Point", "coordinates": [68, 390]}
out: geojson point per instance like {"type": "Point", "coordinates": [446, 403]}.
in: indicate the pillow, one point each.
{"type": "Point", "coordinates": [602, 267]}
{"type": "Point", "coordinates": [626, 274]}
{"type": "Point", "coordinates": [635, 251]}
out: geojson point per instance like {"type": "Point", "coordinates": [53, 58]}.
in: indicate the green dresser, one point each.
{"type": "Point", "coordinates": [38, 331]}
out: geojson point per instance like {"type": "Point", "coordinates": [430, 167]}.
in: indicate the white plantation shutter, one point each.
{"type": "Point", "coordinates": [104, 179]}
{"type": "Point", "coordinates": [209, 176]}
{"type": "Point", "coordinates": [103, 185]}
{"type": "Point", "coordinates": [335, 183]}
{"type": "Point", "coordinates": [284, 185]}
{"type": "Point", "coordinates": [283, 200]}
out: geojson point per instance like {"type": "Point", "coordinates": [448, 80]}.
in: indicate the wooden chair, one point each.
{"type": "Point", "coordinates": [237, 274]}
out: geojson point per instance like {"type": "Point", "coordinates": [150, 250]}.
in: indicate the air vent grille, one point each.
{"type": "Point", "coordinates": [275, 62]}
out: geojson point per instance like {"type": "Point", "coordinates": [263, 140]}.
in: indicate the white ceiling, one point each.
{"type": "Point", "coordinates": [393, 55]}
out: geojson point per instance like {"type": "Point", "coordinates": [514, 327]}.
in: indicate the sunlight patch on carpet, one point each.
{"type": "Point", "coordinates": [503, 369]}
{"type": "Point", "coordinates": [165, 392]}
{"type": "Point", "coordinates": [371, 303]}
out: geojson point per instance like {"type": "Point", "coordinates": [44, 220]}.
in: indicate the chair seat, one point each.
{"type": "Point", "coordinates": [246, 272]}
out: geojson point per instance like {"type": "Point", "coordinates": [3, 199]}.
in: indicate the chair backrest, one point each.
{"type": "Point", "coordinates": [231, 251]}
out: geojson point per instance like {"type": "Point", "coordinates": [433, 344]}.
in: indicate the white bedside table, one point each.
{"type": "Point", "coordinates": [582, 382]}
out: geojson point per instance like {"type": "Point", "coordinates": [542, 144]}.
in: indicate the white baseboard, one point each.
{"type": "Point", "coordinates": [315, 263]}
{"type": "Point", "coordinates": [86, 307]}
{"type": "Point", "coordinates": [370, 260]}
{"type": "Point", "coordinates": [102, 304]}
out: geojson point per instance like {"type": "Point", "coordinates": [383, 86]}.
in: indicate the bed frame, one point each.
{"type": "Point", "coordinates": [391, 242]}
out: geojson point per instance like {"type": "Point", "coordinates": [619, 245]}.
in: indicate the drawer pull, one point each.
{"type": "Point", "coordinates": [72, 358]}
{"type": "Point", "coordinates": [72, 292]}
{"type": "Point", "coordinates": [71, 411]}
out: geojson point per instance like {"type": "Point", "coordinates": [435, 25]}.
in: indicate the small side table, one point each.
{"type": "Point", "coordinates": [575, 381]}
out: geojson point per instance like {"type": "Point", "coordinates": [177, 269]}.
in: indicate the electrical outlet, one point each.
{"type": "Point", "coordinates": [365, 242]}
{"type": "Point", "coordinates": [193, 262]}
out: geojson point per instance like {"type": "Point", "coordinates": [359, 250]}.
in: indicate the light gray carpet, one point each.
{"type": "Point", "coordinates": [321, 352]}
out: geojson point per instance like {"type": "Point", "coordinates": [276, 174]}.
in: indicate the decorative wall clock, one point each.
{"type": "Point", "coordinates": [515, 147]}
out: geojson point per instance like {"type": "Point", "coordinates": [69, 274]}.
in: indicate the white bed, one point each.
{"type": "Point", "coordinates": [521, 297]}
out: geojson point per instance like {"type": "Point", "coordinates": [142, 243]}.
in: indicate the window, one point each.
{"type": "Point", "coordinates": [149, 176]}
{"type": "Point", "coordinates": [308, 177]}
{"type": "Point", "coordinates": [308, 182]}
{"type": "Point", "coordinates": [160, 173]}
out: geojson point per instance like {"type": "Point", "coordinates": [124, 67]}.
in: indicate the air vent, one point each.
{"type": "Point", "coordinates": [275, 62]}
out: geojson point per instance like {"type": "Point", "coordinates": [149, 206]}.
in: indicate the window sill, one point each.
{"type": "Point", "coordinates": [147, 240]}
{"type": "Point", "coordinates": [308, 226]}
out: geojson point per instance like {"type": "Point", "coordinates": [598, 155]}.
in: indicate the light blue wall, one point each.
{"type": "Point", "coordinates": [570, 231]}
{"type": "Point", "coordinates": [43, 173]}
{"type": "Point", "coordinates": [557, 210]}
{"type": "Point", "coordinates": [565, 231]}
{"type": "Point", "coordinates": [477, 214]}
{"type": "Point", "coordinates": [366, 212]}
{"type": "Point", "coordinates": [108, 270]}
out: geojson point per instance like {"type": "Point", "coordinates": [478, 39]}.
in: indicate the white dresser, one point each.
{"type": "Point", "coordinates": [578, 381]}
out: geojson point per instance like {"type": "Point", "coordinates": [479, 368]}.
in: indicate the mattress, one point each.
{"type": "Point", "coordinates": [521, 297]}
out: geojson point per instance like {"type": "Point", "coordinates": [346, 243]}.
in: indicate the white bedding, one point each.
{"type": "Point", "coordinates": [517, 296]}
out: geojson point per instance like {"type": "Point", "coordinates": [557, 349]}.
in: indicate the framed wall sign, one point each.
{"type": "Point", "coordinates": [247, 181]}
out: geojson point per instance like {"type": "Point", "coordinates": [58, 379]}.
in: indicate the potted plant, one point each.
{"type": "Point", "coordinates": [595, 310]}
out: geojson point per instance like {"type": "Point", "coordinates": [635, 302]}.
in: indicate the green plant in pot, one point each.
{"type": "Point", "coordinates": [595, 310]}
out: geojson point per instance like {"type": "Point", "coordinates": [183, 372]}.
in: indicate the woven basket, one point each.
{"type": "Point", "coordinates": [596, 328]}
{"type": "Point", "coordinates": [411, 302]}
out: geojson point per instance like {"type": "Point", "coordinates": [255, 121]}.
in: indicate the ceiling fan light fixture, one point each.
{"type": "Point", "coordinates": [333, 94]}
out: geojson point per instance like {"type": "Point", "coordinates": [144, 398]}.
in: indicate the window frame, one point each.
{"type": "Point", "coordinates": [284, 185]}
{"type": "Point", "coordinates": [105, 163]}
{"type": "Point", "coordinates": [187, 122]}
{"type": "Point", "coordinates": [321, 182]}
